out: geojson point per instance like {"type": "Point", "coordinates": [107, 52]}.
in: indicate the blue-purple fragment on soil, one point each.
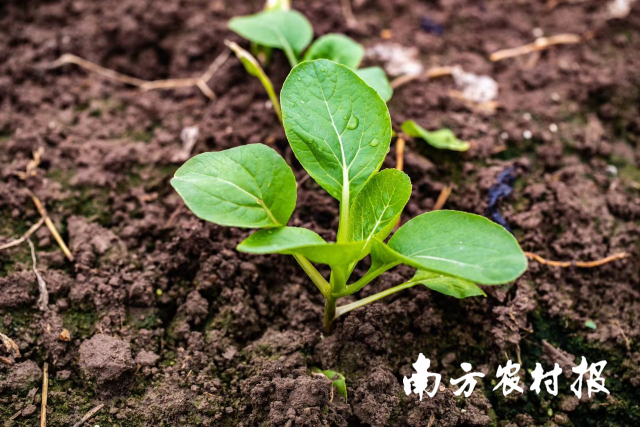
{"type": "Point", "coordinates": [431, 27]}
{"type": "Point", "coordinates": [498, 191]}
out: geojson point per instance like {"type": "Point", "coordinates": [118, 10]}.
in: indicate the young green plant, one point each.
{"type": "Point", "coordinates": [282, 28]}
{"type": "Point", "coordinates": [340, 130]}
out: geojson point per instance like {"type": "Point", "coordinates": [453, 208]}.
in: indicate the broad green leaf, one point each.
{"type": "Point", "coordinates": [337, 48]}
{"type": "Point", "coordinates": [337, 379]}
{"type": "Point", "coordinates": [377, 79]}
{"type": "Point", "coordinates": [253, 67]}
{"type": "Point", "coordinates": [376, 209]}
{"type": "Point", "coordinates": [448, 285]}
{"type": "Point", "coordinates": [288, 30]}
{"type": "Point", "coordinates": [382, 257]}
{"type": "Point", "coordinates": [441, 139]}
{"type": "Point", "coordinates": [274, 5]}
{"type": "Point", "coordinates": [294, 240]}
{"type": "Point", "coordinates": [338, 127]}
{"type": "Point", "coordinates": [460, 244]}
{"type": "Point", "coordinates": [249, 186]}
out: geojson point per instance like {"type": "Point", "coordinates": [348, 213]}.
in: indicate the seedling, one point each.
{"type": "Point", "coordinates": [443, 139]}
{"type": "Point", "coordinates": [340, 130]}
{"type": "Point", "coordinates": [337, 380]}
{"type": "Point", "coordinates": [253, 67]}
{"type": "Point", "coordinates": [282, 28]}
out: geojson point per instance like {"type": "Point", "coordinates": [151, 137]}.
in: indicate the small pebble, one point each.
{"type": "Point", "coordinates": [526, 116]}
{"type": "Point", "coordinates": [504, 135]}
{"type": "Point", "coordinates": [553, 127]}
{"type": "Point", "coordinates": [612, 170]}
{"type": "Point", "coordinates": [537, 32]}
{"type": "Point", "coordinates": [527, 134]}
{"type": "Point", "coordinates": [555, 96]}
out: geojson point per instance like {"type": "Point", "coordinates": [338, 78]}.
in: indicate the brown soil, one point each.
{"type": "Point", "coordinates": [170, 325]}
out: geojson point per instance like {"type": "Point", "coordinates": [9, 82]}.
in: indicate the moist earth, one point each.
{"type": "Point", "coordinates": [166, 324]}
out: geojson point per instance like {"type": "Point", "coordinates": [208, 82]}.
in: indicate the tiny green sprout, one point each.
{"type": "Point", "coordinates": [590, 324]}
{"type": "Point", "coordinates": [282, 28]}
{"type": "Point", "coordinates": [443, 139]}
{"type": "Point", "coordinates": [253, 67]}
{"type": "Point", "coordinates": [340, 131]}
{"type": "Point", "coordinates": [337, 380]}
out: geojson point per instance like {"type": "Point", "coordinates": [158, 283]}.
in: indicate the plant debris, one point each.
{"type": "Point", "coordinates": [580, 264]}
{"type": "Point", "coordinates": [145, 85]}
{"type": "Point", "coordinates": [10, 345]}
{"type": "Point", "coordinates": [43, 299]}
{"type": "Point", "coordinates": [498, 191]}
{"type": "Point", "coordinates": [541, 43]}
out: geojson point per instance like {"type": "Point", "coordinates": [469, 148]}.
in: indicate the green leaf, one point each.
{"type": "Point", "coordinates": [249, 186]}
{"type": "Point", "coordinates": [294, 240]}
{"type": "Point", "coordinates": [376, 209]}
{"type": "Point", "coordinates": [448, 285]}
{"type": "Point", "coordinates": [376, 78]}
{"type": "Point", "coordinates": [443, 139]}
{"type": "Point", "coordinates": [288, 30]}
{"type": "Point", "coordinates": [253, 67]}
{"type": "Point", "coordinates": [460, 244]}
{"type": "Point", "coordinates": [338, 48]}
{"type": "Point", "coordinates": [338, 127]}
{"type": "Point", "coordinates": [337, 379]}
{"type": "Point", "coordinates": [382, 257]}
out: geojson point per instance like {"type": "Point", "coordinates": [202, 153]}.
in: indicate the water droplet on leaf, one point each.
{"type": "Point", "coordinates": [374, 142]}
{"type": "Point", "coordinates": [353, 123]}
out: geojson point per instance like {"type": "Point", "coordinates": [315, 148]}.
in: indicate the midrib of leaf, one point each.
{"type": "Point", "coordinates": [387, 205]}
{"type": "Point", "coordinates": [446, 260]}
{"type": "Point", "coordinates": [258, 200]}
{"type": "Point", "coordinates": [344, 203]}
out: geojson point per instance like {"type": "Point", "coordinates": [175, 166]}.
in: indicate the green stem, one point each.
{"type": "Point", "coordinates": [253, 67]}
{"type": "Point", "coordinates": [314, 275]}
{"type": "Point", "coordinates": [293, 60]}
{"type": "Point", "coordinates": [364, 280]}
{"type": "Point", "coordinates": [272, 96]}
{"type": "Point", "coordinates": [329, 314]}
{"type": "Point", "coordinates": [364, 301]}
{"type": "Point", "coordinates": [338, 280]}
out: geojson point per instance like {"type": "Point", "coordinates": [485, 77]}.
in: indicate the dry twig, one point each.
{"type": "Point", "coordinates": [488, 107]}
{"type": "Point", "coordinates": [45, 390]}
{"type": "Point", "coordinates": [26, 235]}
{"type": "Point", "coordinates": [442, 198]}
{"type": "Point", "coordinates": [347, 11]}
{"type": "Point", "coordinates": [626, 340]}
{"type": "Point", "coordinates": [552, 4]}
{"type": "Point", "coordinates": [400, 143]}
{"type": "Point", "coordinates": [10, 345]}
{"type": "Point", "coordinates": [43, 299]}
{"type": "Point", "coordinates": [51, 226]}
{"type": "Point", "coordinates": [302, 180]}
{"type": "Point", "coordinates": [145, 85]}
{"type": "Point", "coordinates": [431, 73]}
{"type": "Point", "coordinates": [580, 264]}
{"type": "Point", "coordinates": [541, 43]}
{"type": "Point", "coordinates": [32, 165]}
{"type": "Point", "coordinates": [88, 415]}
